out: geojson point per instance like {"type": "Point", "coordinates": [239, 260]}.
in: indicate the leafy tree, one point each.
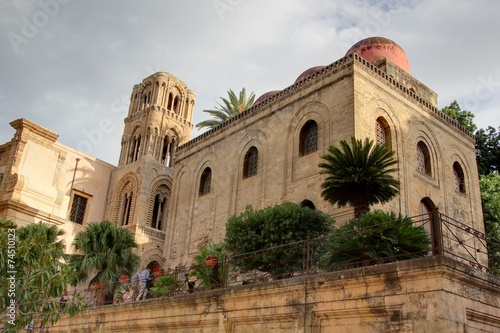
{"type": "Point", "coordinates": [34, 274]}
{"type": "Point", "coordinates": [208, 277]}
{"type": "Point", "coordinates": [490, 197]}
{"type": "Point", "coordinates": [106, 250]}
{"type": "Point", "coordinates": [272, 227]}
{"type": "Point", "coordinates": [232, 107]}
{"type": "Point", "coordinates": [373, 238]}
{"type": "Point", "coordinates": [463, 117]}
{"type": "Point", "coordinates": [488, 150]}
{"type": "Point", "coordinates": [359, 176]}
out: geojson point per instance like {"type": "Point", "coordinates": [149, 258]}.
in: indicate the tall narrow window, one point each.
{"type": "Point", "coordinates": [382, 132]}
{"type": "Point", "coordinates": [126, 208]}
{"type": "Point", "coordinates": [158, 210]}
{"type": "Point", "coordinates": [251, 163]}
{"type": "Point", "coordinates": [308, 138]}
{"type": "Point", "coordinates": [206, 181]}
{"type": "Point", "coordinates": [165, 150]}
{"type": "Point", "coordinates": [137, 147]}
{"type": "Point", "coordinates": [78, 208]}
{"type": "Point", "coordinates": [423, 159]}
{"type": "Point", "coordinates": [458, 177]}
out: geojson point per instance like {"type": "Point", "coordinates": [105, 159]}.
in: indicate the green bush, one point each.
{"type": "Point", "coordinates": [374, 238]}
{"type": "Point", "coordinates": [272, 227]}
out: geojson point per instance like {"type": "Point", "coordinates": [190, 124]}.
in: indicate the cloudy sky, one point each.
{"type": "Point", "coordinates": [70, 65]}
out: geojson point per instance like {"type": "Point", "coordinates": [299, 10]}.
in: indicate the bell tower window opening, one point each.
{"type": "Point", "coordinates": [176, 104]}
{"type": "Point", "coordinates": [205, 181]}
{"type": "Point", "coordinates": [126, 208]}
{"type": "Point", "coordinates": [251, 163]}
{"type": "Point", "coordinates": [158, 212]}
{"type": "Point", "coordinates": [165, 150]}
{"type": "Point", "coordinates": [308, 138]}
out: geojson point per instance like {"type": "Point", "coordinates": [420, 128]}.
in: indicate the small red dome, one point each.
{"type": "Point", "coordinates": [309, 72]}
{"type": "Point", "coordinates": [265, 96]}
{"type": "Point", "coordinates": [375, 48]}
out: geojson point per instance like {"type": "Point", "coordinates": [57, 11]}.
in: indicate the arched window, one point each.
{"type": "Point", "coordinates": [160, 207]}
{"type": "Point", "coordinates": [251, 162]}
{"type": "Point", "coordinates": [170, 101]}
{"type": "Point", "coordinates": [458, 177]}
{"type": "Point", "coordinates": [432, 225]}
{"type": "Point", "coordinates": [177, 104]}
{"type": "Point", "coordinates": [205, 181]}
{"type": "Point", "coordinates": [423, 159]}
{"type": "Point", "coordinates": [382, 132]}
{"type": "Point", "coordinates": [126, 206]}
{"type": "Point", "coordinates": [308, 138]}
{"type": "Point", "coordinates": [308, 204]}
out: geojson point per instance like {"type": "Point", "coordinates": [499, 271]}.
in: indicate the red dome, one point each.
{"type": "Point", "coordinates": [308, 73]}
{"type": "Point", "coordinates": [375, 48]}
{"type": "Point", "coordinates": [265, 96]}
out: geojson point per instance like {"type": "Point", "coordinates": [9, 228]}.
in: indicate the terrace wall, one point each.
{"type": "Point", "coordinates": [432, 294]}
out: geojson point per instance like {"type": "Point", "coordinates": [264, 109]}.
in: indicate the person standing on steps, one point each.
{"type": "Point", "coordinates": [143, 278]}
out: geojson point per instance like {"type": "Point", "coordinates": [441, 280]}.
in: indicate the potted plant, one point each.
{"type": "Point", "coordinates": [157, 271]}
{"type": "Point", "coordinates": [124, 279]}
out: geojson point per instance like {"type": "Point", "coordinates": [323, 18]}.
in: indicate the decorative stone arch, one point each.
{"type": "Point", "coordinates": [257, 139]}
{"type": "Point", "coordinates": [152, 258]}
{"type": "Point", "coordinates": [159, 199]}
{"type": "Point", "coordinates": [384, 113]}
{"type": "Point", "coordinates": [458, 156]}
{"type": "Point", "coordinates": [313, 111]}
{"type": "Point", "coordinates": [431, 223]}
{"type": "Point", "coordinates": [425, 135]}
{"type": "Point", "coordinates": [209, 160]}
{"type": "Point", "coordinates": [127, 185]}
{"type": "Point", "coordinates": [307, 203]}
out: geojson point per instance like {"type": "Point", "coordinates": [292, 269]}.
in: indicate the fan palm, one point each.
{"type": "Point", "coordinates": [232, 107]}
{"type": "Point", "coordinates": [359, 176]}
{"type": "Point", "coordinates": [105, 249]}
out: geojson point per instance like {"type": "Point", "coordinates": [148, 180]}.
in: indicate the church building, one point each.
{"type": "Point", "coordinates": [175, 193]}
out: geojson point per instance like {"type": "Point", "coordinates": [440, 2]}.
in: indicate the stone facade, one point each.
{"type": "Point", "coordinates": [175, 195]}
{"type": "Point", "coordinates": [44, 180]}
{"type": "Point", "coordinates": [434, 294]}
{"type": "Point", "coordinates": [350, 97]}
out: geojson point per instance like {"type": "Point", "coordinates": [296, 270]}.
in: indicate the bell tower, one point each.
{"type": "Point", "coordinates": [158, 121]}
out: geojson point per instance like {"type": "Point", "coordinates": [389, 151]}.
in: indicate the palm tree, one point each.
{"type": "Point", "coordinates": [231, 108]}
{"type": "Point", "coordinates": [359, 176]}
{"type": "Point", "coordinates": [106, 250]}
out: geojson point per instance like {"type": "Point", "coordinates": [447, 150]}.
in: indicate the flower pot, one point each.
{"type": "Point", "coordinates": [211, 261]}
{"type": "Point", "coordinates": [158, 274]}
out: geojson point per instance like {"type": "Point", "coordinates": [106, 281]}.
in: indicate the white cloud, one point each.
{"type": "Point", "coordinates": [85, 59]}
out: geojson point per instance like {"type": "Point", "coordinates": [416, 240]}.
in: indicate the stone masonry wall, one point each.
{"type": "Point", "coordinates": [434, 294]}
